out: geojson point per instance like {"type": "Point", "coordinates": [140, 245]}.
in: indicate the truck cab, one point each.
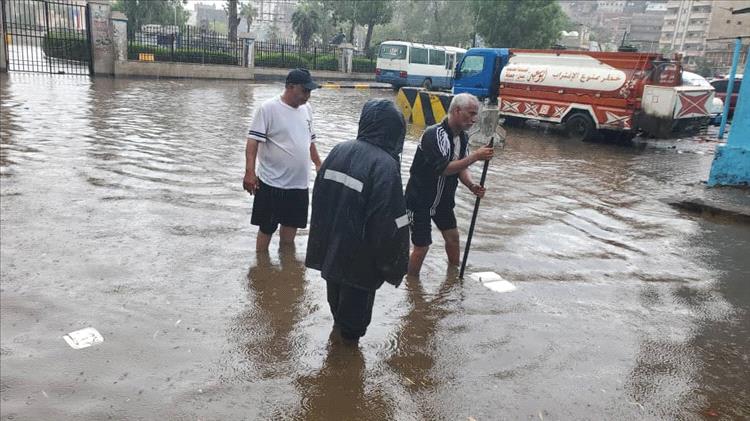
{"type": "Point", "coordinates": [478, 72]}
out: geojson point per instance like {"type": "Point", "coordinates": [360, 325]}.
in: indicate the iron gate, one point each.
{"type": "Point", "coordinates": [47, 36]}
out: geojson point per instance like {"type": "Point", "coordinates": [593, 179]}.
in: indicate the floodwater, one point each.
{"type": "Point", "coordinates": [122, 209]}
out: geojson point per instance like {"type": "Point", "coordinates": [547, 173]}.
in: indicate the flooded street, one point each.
{"type": "Point", "coordinates": [121, 208]}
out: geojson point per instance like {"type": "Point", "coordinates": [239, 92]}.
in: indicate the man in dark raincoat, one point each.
{"type": "Point", "coordinates": [359, 234]}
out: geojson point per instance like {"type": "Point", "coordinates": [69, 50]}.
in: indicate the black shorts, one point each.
{"type": "Point", "coordinates": [421, 229]}
{"type": "Point", "coordinates": [273, 206]}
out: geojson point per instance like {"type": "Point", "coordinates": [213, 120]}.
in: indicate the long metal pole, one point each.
{"type": "Point", "coordinates": [730, 86]}
{"type": "Point", "coordinates": [474, 216]}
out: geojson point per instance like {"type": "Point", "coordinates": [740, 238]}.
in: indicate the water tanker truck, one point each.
{"type": "Point", "coordinates": [622, 93]}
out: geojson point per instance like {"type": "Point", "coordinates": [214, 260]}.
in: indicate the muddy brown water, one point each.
{"type": "Point", "coordinates": [122, 209]}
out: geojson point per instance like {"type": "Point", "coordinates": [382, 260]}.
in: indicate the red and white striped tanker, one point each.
{"type": "Point", "coordinates": [588, 91]}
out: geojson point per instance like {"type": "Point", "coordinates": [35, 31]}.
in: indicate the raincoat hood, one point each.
{"type": "Point", "coordinates": [382, 125]}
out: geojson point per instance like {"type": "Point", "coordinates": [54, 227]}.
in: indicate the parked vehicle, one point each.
{"type": "Point", "coordinates": [717, 106]}
{"type": "Point", "coordinates": [624, 92]}
{"type": "Point", "coordinates": [410, 64]}
{"type": "Point", "coordinates": [721, 91]}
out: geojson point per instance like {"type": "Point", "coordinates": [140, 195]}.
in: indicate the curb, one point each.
{"type": "Point", "coordinates": [330, 85]}
{"type": "Point", "coordinates": [735, 213]}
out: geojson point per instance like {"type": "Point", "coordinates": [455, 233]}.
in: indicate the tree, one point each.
{"type": "Point", "coordinates": [142, 12]}
{"type": "Point", "coordinates": [373, 12]}
{"type": "Point", "coordinates": [305, 23]}
{"type": "Point", "coordinates": [343, 11]}
{"type": "Point", "coordinates": [518, 24]}
{"type": "Point", "coordinates": [233, 21]}
{"type": "Point", "coordinates": [427, 21]}
{"type": "Point", "coordinates": [248, 12]}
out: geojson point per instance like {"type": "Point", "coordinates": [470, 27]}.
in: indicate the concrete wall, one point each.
{"type": "Point", "coordinates": [181, 70]}
{"type": "Point", "coordinates": [101, 37]}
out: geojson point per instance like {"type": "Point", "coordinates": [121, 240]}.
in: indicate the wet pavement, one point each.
{"type": "Point", "coordinates": [121, 208]}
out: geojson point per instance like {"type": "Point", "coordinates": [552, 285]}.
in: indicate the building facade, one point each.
{"type": "Point", "coordinates": [703, 28]}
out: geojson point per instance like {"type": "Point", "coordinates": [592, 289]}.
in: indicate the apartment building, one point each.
{"type": "Point", "coordinates": [692, 27]}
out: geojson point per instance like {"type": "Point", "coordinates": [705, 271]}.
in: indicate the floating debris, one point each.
{"type": "Point", "coordinates": [83, 338]}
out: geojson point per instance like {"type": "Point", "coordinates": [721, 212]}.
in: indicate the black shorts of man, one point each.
{"type": "Point", "coordinates": [441, 160]}
{"type": "Point", "coordinates": [359, 235]}
{"type": "Point", "coordinates": [281, 141]}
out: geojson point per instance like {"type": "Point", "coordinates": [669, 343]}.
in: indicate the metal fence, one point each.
{"type": "Point", "coordinates": [47, 36]}
{"type": "Point", "coordinates": [362, 63]}
{"type": "Point", "coordinates": [288, 55]}
{"type": "Point", "coordinates": [186, 44]}
{"type": "Point", "coordinates": [190, 44]}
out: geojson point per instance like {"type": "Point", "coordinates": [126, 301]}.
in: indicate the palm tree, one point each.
{"type": "Point", "coordinates": [248, 12]}
{"type": "Point", "coordinates": [305, 23]}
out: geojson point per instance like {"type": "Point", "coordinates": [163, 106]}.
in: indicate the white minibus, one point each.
{"type": "Point", "coordinates": [403, 63]}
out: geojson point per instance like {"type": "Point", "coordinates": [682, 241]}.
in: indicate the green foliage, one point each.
{"type": "Point", "coordinates": [518, 24]}
{"type": "Point", "coordinates": [367, 13]}
{"type": "Point", "coordinates": [248, 12]}
{"type": "Point", "coordinates": [363, 65]}
{"type": "Point", "coordinates": [66, 44]}
{"type": "Point", "coordinates": [143, 12]}
{"type": "Point", "coordinates": [297, 59]}
{"type": "Point", "coordinates": [440, 22]}
{"type": "Point", "coordinates": [182, 55]}
{"type": "Point", "coordinates": [305, 23]}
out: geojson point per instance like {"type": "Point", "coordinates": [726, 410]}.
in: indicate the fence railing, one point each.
{"type": "Point", "coordinates": [289, 55]}
{"type": "Point", "coordinates": [188, 44]}
{"type": "Point", "coordinates": [361, 63]}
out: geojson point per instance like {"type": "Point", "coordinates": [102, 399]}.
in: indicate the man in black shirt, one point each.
{"type": "Point", "coordinates": [441, 160]}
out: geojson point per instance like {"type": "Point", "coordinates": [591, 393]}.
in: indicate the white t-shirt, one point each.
{"type": "Point", "coordinates": [285, 134]}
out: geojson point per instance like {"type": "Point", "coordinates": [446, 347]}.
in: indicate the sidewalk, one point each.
{"type": "Point", "coordinates": [727, 202]}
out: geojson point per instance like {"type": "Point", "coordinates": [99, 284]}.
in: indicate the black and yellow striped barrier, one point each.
{"type": "Point", "coordinates": [421, 107]}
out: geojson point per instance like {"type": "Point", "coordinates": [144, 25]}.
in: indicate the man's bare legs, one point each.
{"type": "Point", "coordinates": [452, 250]}
{"type": "Point", "coordinates": [416, 259]}
{"type": "Point", "coordinates": [286, 237]}
{"type": "Point", "coordinates": [452, 246]}
{"type": "Point", "coordinates": [262, 241]}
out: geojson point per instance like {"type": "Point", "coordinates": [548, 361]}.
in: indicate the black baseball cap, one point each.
{"type": "Point", "coordinates": [301, 77]}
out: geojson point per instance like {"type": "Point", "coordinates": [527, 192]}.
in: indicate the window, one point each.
{"type": "Point", "coordinates": [472, 65]}
{"type": "Point", "coordinates": [437, 57]}
{"type": "Point", "coordinates": [720, 86]}
{"type": "Point", "coordinates": [418, 56]}
{"type": "Point", "coordinates": [449, 62]}
{"type": "Point", "coordinates": [397, 52]}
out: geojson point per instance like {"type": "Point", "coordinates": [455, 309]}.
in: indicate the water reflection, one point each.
{"type": "Point", "coordinates": [413, 359]}
{"type": "Point", "coordinates": [278, 293]}
{"type": "Point", "coordinates": [338, 390]}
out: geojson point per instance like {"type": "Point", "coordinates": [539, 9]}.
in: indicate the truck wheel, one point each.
{"type": "Point", "coordinates": [427, 84]}
{"type": "Point", "coordinates": [580, 127]}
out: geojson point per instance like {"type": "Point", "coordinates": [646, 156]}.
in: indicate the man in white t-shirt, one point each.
{"type": "Point", "coordinates": [282, 141]}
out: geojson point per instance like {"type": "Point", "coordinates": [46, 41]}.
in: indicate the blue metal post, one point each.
{"type": "Point", "coordinates": [730, 86]}
{"type": "Point", "coordinates": [731, 164]}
